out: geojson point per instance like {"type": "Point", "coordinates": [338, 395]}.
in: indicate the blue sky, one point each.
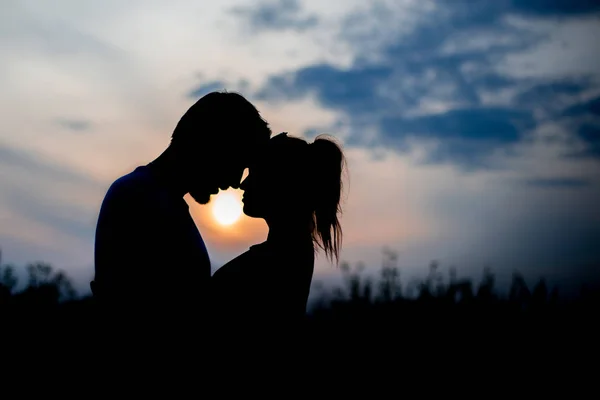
{"type": "Point", "coordinates": [471, 127]}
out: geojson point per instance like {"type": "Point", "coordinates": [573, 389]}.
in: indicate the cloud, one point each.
{"type": "Point", "coordinates": [76, 125]}
{"type": "Point", "coordinates": [555, 7]}
{"type": "Point", "coordinates": [478, 86]}
{"type": "Point", "coordinates": [47, 213]}
{"type": "Point", "coordinates": [71, 219]}
{"type": "Point", "coordinates": [440, 83]}
{"type": "Point", "coordinates": [240, 86]}
{"type": "Point", "coordinates": [591, 108]}
{"type": "Point", "coordinates": [19, 160]}
{"type": "Point", "coordinates": [351, 91]}
{"type": "Point", "coordinates": [463, 136]}
{"type": "Point", "coordinates": [529, 8]}
{"type": "Point", "coordinates": [45, 202]}
{"type": "Point", "coordinates": [584, 119]}
{"type": "Point", "coordinates": [278, 15]}
{"type": "Point", "coordinates": [206, 88]}
{"type": "Point", "coordinates": [551, 183]}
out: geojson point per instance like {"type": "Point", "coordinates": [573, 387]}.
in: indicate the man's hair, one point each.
{"type": "Point", "coordinates": [221, 117]}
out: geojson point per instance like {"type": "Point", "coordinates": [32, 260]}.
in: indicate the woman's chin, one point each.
{"type": "Point", "coordinates": [250, 212]}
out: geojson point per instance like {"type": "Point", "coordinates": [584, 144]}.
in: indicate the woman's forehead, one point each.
{"type": "Point", "coordinates": [282, 152]}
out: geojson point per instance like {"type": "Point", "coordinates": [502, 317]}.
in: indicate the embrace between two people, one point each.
{"type": "Point", "coordinates": [144, 226]}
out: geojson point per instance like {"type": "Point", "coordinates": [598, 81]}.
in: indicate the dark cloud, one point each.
{"type": "Point", "coordinates": [353, 91]}
{"type": "Point", "coordinates": [381, 96]}
{"type": "Point", "coordinates": [539, 8]}
{"type": "Point", "coordinates": [547, 92]}
{"type": "Point", "coordinates": [449, 58]}
{"type": "Point", "coordinates": [276, 15]}
{"type": "Point", "coordinates": [468, 135]}
{"type": "Point", "coordinates": [585, 121]}
{"type": "Point", "coordinates": [553, 183]}
{"type": "Point", "coordinates": [77, 125]}
{"type": "Point", "coordinates": [555, 7]}
{"type": "Point", "coordinates": [589, 133]}
{"type": "Point", "coordinates": [590, 108]}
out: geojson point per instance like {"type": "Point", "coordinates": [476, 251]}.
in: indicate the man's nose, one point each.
{"type": "Point", "coordinates": [237, 178]}
{"type": "Point", "coordinates": [244, 184]}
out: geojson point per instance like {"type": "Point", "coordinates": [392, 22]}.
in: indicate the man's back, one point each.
{"type": "Point", "coordinates": [148, 251]}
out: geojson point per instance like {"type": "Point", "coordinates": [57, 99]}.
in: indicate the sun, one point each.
{"type": "Point", "coordinates": [226, 208]}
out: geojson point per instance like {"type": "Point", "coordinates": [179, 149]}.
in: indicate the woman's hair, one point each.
{"type": "Point", "coordinates": [329, 164]}
{"type": "Point", "coordinates": [318, 168]}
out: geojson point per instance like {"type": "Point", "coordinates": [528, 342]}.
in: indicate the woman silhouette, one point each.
{"type": "Point", "coordinates": [296, 188]}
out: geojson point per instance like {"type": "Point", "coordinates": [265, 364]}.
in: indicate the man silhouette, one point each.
{"type": "Point", "coordinates": [149, 255]}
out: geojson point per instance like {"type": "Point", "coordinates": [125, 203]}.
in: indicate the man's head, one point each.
{"type": "Point", "coordinates": [216, 139]}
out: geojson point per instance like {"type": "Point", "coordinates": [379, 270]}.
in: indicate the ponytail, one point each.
{"type": "Point", "coordinates": [328, 164]}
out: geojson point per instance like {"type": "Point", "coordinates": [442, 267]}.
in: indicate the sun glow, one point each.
{"type": "Point", "coordinates": [226, 207]}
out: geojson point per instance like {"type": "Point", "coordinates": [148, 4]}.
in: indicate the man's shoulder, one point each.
{"type": "Point", "coordinates": [138, 181]}
{"type": "Point", "coordinates": [132, 187]}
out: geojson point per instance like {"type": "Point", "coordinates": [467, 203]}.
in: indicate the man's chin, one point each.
{"type": "Point", "coordinates": [201, 198]}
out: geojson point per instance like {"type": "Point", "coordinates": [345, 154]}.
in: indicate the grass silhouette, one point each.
{"type": "Point", "coordinates": [382, 300]}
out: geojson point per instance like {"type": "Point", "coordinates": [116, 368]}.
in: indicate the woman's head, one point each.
{"type": "Point", "coordinates": [299, 182]}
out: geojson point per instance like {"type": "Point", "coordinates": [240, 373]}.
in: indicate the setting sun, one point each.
{"type": "Point", "coordinates": [226, 208]}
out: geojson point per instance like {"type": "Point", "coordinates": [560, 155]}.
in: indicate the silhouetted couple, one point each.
{"type": "Point", "coordinates": [150, 258]}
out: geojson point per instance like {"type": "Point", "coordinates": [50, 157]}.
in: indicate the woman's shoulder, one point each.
{"type": "Point", "coordinates": [260, 247]}
{"type": "Point", "coordinates": [266, 257]}
{"type": "Point", "coordinates": [238, 263]}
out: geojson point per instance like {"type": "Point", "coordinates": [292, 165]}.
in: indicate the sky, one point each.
{"type": "Point", "coordinates": [471, 128]}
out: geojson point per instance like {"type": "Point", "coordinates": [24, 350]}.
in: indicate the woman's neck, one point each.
{"type": "Point", "coordinates": [290, 231]}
